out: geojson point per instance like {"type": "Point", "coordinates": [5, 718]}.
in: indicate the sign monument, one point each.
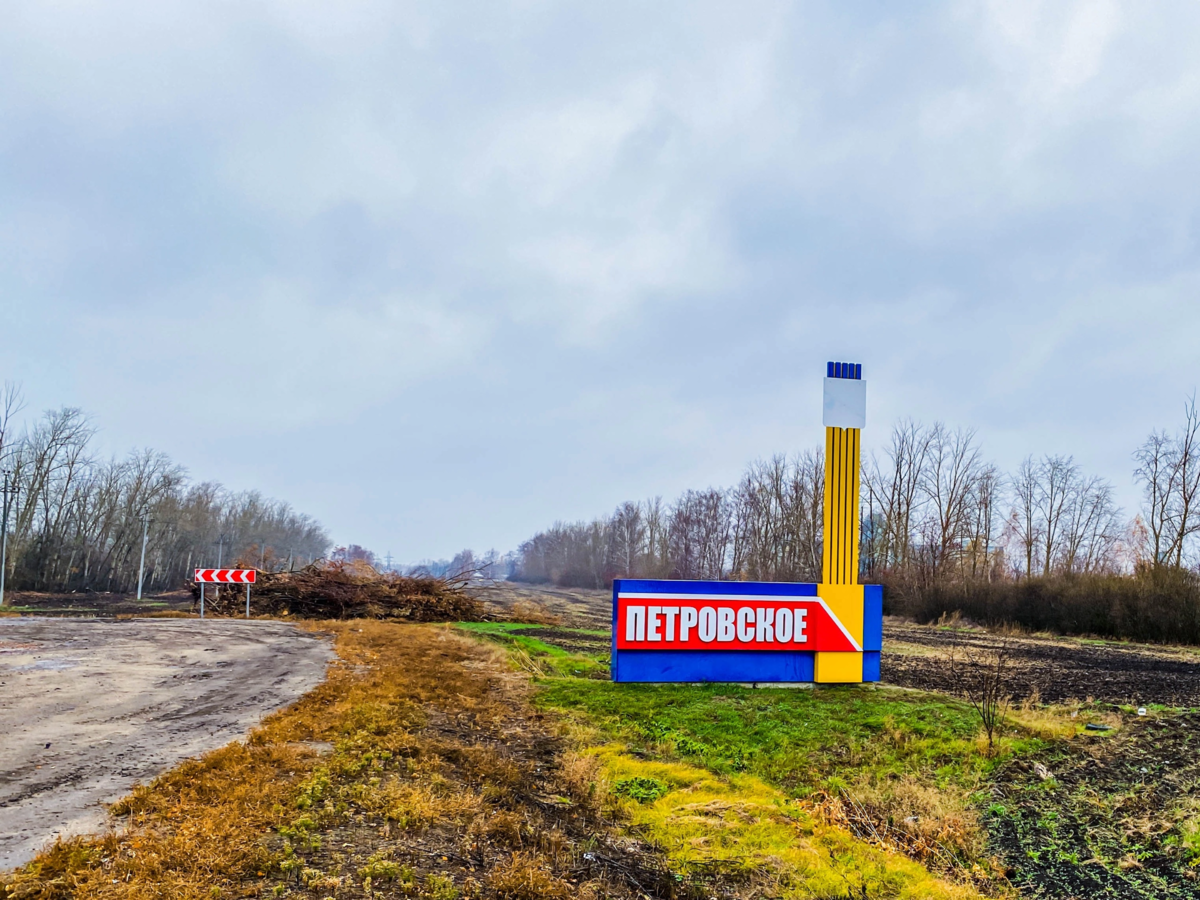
{"type": "Point", "coordinates": [744, 631]}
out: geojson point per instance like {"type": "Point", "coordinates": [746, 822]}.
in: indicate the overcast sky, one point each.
{"type": "Point", "coordinates": [441, 273]}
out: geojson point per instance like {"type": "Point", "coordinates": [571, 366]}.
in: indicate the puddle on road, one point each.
{"type": "Point", "coordinates": [47, 665]}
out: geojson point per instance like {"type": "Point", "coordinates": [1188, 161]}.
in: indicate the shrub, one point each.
{"type": "Point", "coordinates": [1157, 605]}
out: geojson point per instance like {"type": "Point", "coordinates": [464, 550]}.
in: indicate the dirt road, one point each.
{"type": "Point", "coordinates": [88, 707]}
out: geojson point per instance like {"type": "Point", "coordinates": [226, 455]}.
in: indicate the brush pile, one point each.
{"type": "Point", "coordinates": [336, 590]}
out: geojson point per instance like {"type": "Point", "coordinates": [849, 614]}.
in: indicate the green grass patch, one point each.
{"type": "Point", "coordinates": [496, 627]}
{"type": "Point", "coordinates": [509, 633]}
{"type": "Point", "coordinates": [1188, 837]}
{"type": "Point", "coordinates": [746, 828]}
{"type": "Point", "coordinates": [540, 657]}
{"type": "Point", "coordinates": [872, 759]}
{"type": "Point", "coordinates": [805, 741]}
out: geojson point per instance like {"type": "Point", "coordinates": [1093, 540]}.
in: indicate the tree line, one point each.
{"type": "Point", "coordinates": [934, 510]}
{"type": "Point", "coordinates": [76, 520]}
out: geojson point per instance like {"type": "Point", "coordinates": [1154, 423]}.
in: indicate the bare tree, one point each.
{"type": "Point", "coordinates": [1169, 471]}
{"type": "Point", "coordinates": [894, 492]}
{"type": "Point", "coordinates": [1025, 523]}
{"type": "Point", "coordinates": [11, 403]}
{"type": "Point", "coordinates": [698, 535]}
{"type": "Point", "coordinates": [1091, 527]}
{"type": "Point", "coordinates": [1057, 485]}
{"type": "Point", "coordinates": [931, 510]}
{"type": "Point", "coordinates": [985, 497]}
{"type": "Point", "coordinates": [626, 540]}
{"type": "Point", "coordinates": [777, 518]}
{"type": "Point", "coordinates": [655, 564]}
{"type": "Point", "coordinates": [948, 481]}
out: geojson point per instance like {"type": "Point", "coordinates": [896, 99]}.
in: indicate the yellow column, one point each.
{"type": "Point", "coordinates": [839, 586]}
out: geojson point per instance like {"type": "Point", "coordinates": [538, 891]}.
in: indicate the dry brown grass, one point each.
{"type": "Point", "coordinates": [936, 825]}
{"type": "Point", "coordinates": [533, 613]}
{"type": "Point", "coordinates": [582, 776]}
{"type": "Point", "coordinates": [1060, 721]}
{"type": "Point", "coordinates": [527, 877]}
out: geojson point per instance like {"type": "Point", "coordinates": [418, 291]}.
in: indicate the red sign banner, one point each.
{"type": "Point", "coordinates": [226, 576]}
{"type": "Point", "coordinates": [715, 622]}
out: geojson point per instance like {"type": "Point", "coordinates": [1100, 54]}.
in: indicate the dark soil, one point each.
{"type": "Point", "coordinates": [1056, 670]}
{"type": "Point", "coordinates": [100, 604]}
{"type": "Point", "coordinates": [1106, 817]}
{"type": "Point", "coordinates": [577, 607]}
{"type": "Point", "coordinates": [571, 639]}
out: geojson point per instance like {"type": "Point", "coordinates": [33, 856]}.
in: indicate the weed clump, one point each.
{"type": "Point", "coordinates": [641, 789]}
{"type": "Point", "coordinates": [380, 868]}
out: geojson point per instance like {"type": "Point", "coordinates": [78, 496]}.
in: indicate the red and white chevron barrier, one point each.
{"type": "Point", "coordinates": [225, 576]}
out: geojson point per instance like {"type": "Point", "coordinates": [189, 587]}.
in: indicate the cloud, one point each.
{"type": "Point", "coordinates": [605, 250]}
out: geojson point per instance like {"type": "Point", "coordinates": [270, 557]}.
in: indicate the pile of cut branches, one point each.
{"type": "Point", "coordinates": [337, 590]}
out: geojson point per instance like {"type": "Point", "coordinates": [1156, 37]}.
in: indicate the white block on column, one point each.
{"type": "Point", "coordinates": [845, 403]}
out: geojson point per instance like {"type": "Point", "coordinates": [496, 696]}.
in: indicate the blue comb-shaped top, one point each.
{"type": "Point", "coordinates": [844, 370]}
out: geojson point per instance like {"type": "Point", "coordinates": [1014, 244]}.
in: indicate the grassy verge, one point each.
{"type": "Point", "coordinates": [1056, 811]}
{"type": "Point", "coordinates": [905, 770]}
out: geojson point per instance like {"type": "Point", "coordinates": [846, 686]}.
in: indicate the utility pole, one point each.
{"type": "Point", "coordinates": [10, 489]}
{"type": "Point", "coordinates": [142, 564]}
{"type": "Point", "coordinates": [387, 562]}
{"type": "Point", "coordinates": [220, 550]}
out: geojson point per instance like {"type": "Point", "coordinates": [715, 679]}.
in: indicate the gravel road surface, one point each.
{"type": "Point", "coordinates": [89, 707]}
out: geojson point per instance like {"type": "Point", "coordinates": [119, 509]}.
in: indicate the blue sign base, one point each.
{"type": "Point", "coordinates": [745, 667]}
{"type": "Point", "coordinates": [733, 665]}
